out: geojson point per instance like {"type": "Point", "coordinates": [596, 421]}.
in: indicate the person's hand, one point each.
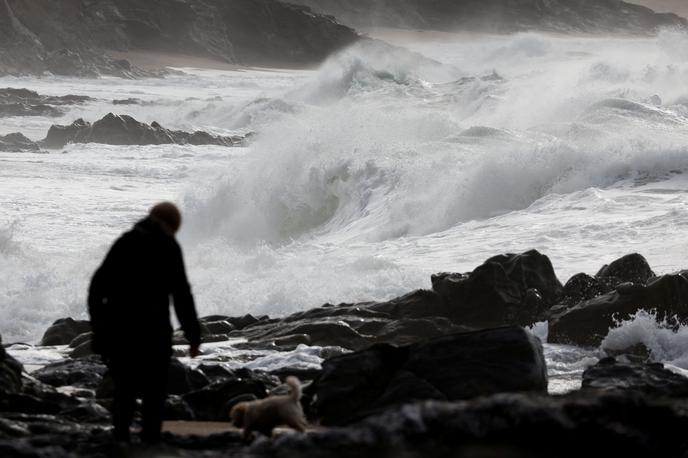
{"type": "Point", "coordinates": [194, 350]}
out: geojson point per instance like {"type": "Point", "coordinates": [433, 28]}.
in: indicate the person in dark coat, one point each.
{"type": "Point", "coordinates": [129, 302]}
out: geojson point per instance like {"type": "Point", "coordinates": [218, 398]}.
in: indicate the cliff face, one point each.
{"type": "Point", "coordinates": [45, 35]}
{"type": "Point", "coordinates": [581, 16]}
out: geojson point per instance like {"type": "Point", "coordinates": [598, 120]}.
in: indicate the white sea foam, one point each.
{"type": "Point", "coordinates": [366, 176]}
{"type": "Point", "coordinates": [666, 339]}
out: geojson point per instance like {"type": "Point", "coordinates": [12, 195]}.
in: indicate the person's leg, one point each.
{"type": "Point", "coordinates": [154, 395]}
{"type": "Point", "coordinates": [124, 401]}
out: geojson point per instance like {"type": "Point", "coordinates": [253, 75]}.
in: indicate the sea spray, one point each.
{"type": "Point", "coordinates": [666, 339]}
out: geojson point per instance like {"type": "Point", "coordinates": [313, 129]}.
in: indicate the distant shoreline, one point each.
{"type": "Point", "coordinates": [153, 60]}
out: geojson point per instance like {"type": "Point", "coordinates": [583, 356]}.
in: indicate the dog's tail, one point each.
{"type": "Point", "coordinates": [294, 387]}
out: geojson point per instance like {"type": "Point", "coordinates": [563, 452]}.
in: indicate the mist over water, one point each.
{"type": "Point", "coordinates": [367, 175]}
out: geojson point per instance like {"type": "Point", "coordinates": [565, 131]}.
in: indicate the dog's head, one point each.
{"type": "Point", "coordinates": [237, 414]}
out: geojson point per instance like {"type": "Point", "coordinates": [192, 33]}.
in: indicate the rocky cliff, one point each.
{"type": "Point", "coordinates": [578, 16]}
{"type": "Point", "coordinates": [72, 37]}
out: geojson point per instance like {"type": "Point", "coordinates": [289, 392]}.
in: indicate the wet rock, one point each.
{"type": "Point", "coordinates": [506, 289]}
{"type": "Point", "coordinates": [182, 379]}
{"type": "Point", "coordinates": [125, 130]}
{"type": "Point", "coordinates": [611, 374]}
{"type": "Point", "coordinates": [85, 372]}
{"type": "Point", "coordinates": [455, 367]}
{"type": "Point", "coordinates": [17, 143]}
{"type": "Point", "coordinates": [218, 327]}
{"type": "Point", "coordinates": [81, 339]}
{"type": "Point", "coordinates": [64, 330]}
{"type": "Point", "coordinates": [215, 371]}
{"type": "Point", "coordinates": [177, 410]}
{"type": "Point", "coordinates": [10, 373]}
{"type": "Point", "coordinates": [209, 403]}
{"type": "Point", "coordinates": [506, 425]}
{"type": "Point", "coordinates": [589, 322]}
{"type": "Point", "coordinates": [582, 287]}
{"type": "Point", "coordinates": [36, 398]}
{"type": "Point", "coordinates": [322, 333]}
{"type": "Point", "coordinates": [632, 268]}
{"type": "Point", "coordinates": [23, 102]}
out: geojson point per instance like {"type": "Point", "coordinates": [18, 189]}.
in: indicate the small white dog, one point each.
{"type": "Point", "coordinates": [264, 415]}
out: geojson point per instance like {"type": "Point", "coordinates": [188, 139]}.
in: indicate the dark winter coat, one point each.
{"type": "Point", "coordinates": [129, 296]}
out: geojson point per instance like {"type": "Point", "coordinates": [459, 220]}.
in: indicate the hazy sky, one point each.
{"type": "Point", "coordinates": [674, 6]}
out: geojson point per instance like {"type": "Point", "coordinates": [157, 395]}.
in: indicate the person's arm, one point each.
{"type": "Point", "coordinates": [184, 302]}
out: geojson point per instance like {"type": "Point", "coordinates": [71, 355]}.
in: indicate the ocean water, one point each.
{"type": "Point", "coordinates": [369, 174]}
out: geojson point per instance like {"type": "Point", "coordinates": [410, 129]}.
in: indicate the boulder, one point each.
{"type": "Point", "coordinates": [125, 130]}
{"type": "Point", "coordinates": [17, 143]}
{"type": "Point", "coordinates": [64, 330]}
{"type": "Point", "coordinates": [10, 373]}
{"type": "Point", "coordinates": [506, 289]}
{"type": "Point", "coordinates": [612, 374]}
{"type": "Point", "coordinates": [589, 322]}
{"type": "Point", "coordinates": [632, 268]}
{"type": "Point", "coordinates": [84, 372]}
{"type": "Point", "coordinates": [460, 366]}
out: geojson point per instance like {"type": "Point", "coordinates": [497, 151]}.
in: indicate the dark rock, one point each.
{"type": "Point", "coordinates": [652, 379]}
{"type": "Point", "coordinates": [589, 322]}
{"type": "Point", "coordinates": [85, 372]}
{"type": "Point", "coordinates": [208, 404]}
{"type": "Point", "coordinates": [81, 339]}
{"type": "Point", "coordinates": [506, 425]}
{"type": "Point", "coordinates": [129, 101]}
{"type": "Point", "coordinates": [59, 136]}
{"type": "Point", "coordinates": [177, 410]}
{"type": "Point", "coordinates": [582, 287]}
{"type": "Point", "coordinates": [125, 130]}
{"type": "Point", "coordinates": [36, 398]}
{"type": "Point", "coordinates": [215, 371]}
{"type": "Point", "coordinates": [218, 327]}
{"type": "Point", "coordinates": [501, 291]}
{"type": "Point", "coordinates": [64, 330]}
{"type": "Point", "coordinates": [82, 350]}
{"type": "Point", "coordinates": [455, 367]}
{"type": "Point", "coordinates": [18, 143]}
{"type": "Point", "coordinates": [632, 268]}
{"type": "Point", "coordinates": [10, 373]}
{"type": "Point", "coordinates": [183, 379]}
{"type": "Point", "coordinates": [23, 102]}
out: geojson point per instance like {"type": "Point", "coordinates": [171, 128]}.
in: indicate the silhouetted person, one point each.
{"type": "Point", "coordinates": [129, 302]}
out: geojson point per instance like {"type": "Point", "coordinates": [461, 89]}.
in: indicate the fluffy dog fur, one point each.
{"type": "Point", "coordinates": [264, 415]}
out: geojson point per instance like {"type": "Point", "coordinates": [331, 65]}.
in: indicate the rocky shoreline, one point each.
{"type": "Point", "coordinates": [443, 372]}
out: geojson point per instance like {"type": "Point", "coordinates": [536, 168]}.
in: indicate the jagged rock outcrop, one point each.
{"type": "Point", "coordinates": [589, 16]}
{"type": "Point", "coordinates": [125, 130]}
{"type": "Point", "coordinates": [23, 102]}
{"type": "Point", "coordinates": [506, 289]}
{"type": "Point", "coordinates": [450, 368]}
{"type": "Point", "coordinates": [17, 143]}
{"type": "Point", "coordinates": [620, 374]}
{"type": "Point", "coordinates": [72, 37]}
{"type": "Point", "coordinates": [588, 322]}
